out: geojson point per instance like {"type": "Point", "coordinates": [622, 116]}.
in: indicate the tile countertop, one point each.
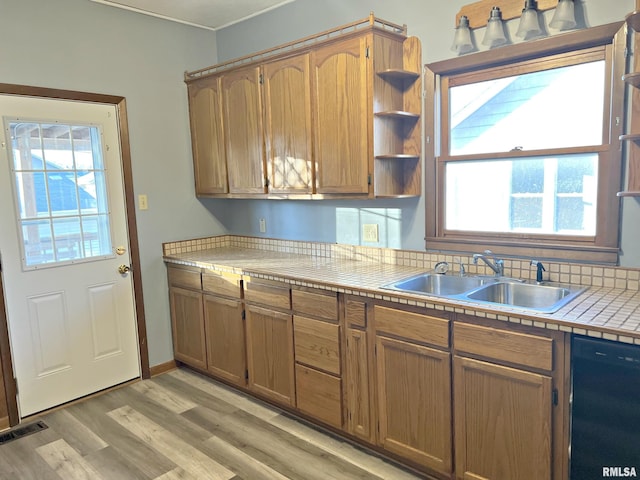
{"type": "Point", "coordinates": [601, 312]}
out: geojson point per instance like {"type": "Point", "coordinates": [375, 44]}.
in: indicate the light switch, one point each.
{"type": "Point", "coordinates": [142, 202]}
{"type": "Point", "coordinates": [263, 225]}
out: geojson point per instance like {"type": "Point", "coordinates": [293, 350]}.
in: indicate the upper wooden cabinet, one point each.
{"type": "Point", "coordinates": [333, 115]}
{"type": "Point", "coordinates": [205, 114]}
{"type": "Point", "coordinates": [287, 116]}
{"type": "Point", "coordinates": [341, 98]}
{"type": "Point", "coordinates": [242, 114]}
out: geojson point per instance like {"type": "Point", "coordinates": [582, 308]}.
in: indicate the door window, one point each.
{"type": "Point", "coordinates": [60, 192]}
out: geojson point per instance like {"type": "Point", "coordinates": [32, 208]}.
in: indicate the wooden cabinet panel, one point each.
{"type": "Point", "coordinates": [504, 345]}
{"type": "Point", "coordinates": [318, 394]}
{"type": "Point", "coordinates": [503, 422]}
{"type": "Point", "coordinates": [317, 344]}
{"type": "Point", "coordinates": [355, 312]}
{"type": "Point", "coordinates": [221, 283]}
{"type": "Point", "coordinates": [187, 319]}
{"type": "Point", "coordinates": [287, 113]}
{"type": "Point", "coordinates": [225, 339]}
{"type": "Point", "coordinates": [413, 326]}
{"type": "Point", "coordinates": [184, 277]}
{"type": "Point", "coordinates": [315, 304]}
{"type": "Point", "coordinates": [270, 354]}
{"type": "Point", "coordinates": [243, 130]}
{"type": "Point", "coordinates": [267, 293]}
{"type": "Point", "coordinates": [341, 111]}
{"type": "Point", "coordinates": [414, 402]}
{"type": "Point", "coordinates": [356, 385]}
{"type": "Point", "coordinates": [205, 116]}
{"type": "Point", "coordinates": [4, 410]}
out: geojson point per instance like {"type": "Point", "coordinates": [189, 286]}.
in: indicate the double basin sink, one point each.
{"type": "Point", "coordinates": [498, 291]}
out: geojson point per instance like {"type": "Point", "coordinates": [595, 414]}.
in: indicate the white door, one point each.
{"type": "Point", "coordinates": [63, 237]}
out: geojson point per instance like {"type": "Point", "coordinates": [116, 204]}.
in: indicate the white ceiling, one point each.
{"type": "Point", "coordinates": [210, 14]}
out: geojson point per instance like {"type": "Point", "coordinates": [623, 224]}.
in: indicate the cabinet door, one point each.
{"type": "Point", "coordinates": [187, 319]}
{"type": "Point", "coordinates": [414, 401]}
{"type": "Point", "coordinates": [357, 385]}
{"type": "Point", "coordinates": [225, 339]}
{"type": "Point", "coordinates": [503, 422]}
{"type": "Point", "coordinates": [287, 114]}
{"type": "Point", "coordinates": [270, 354]}
{"type": "Point", "coordinates": [342, 112]}
{"type": "Point", "coordinates": [243, 130]}
{"type": "Point", "coordinates": [205, 115]}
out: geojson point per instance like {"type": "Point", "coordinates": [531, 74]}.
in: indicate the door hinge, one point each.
{"type": "Point", "coordinates": [369, 179]}
{"type": "Point", "coordinates": [554, 396]}
{"type": "Point", "coordinates": [244, 314]}
{"type": "Point", "coordinates": [266, 182]}
{"type": "Point", "coordinates": [366, 52]}
{"type": "Point", "coordinates": [246, 374]}
{"type": "Point", "coordinates": [261, 79]}
{"type": "Point", "coordinates": [15, 384]}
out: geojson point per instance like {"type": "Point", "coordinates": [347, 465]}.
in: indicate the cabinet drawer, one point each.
{"type": "Point", "coordinates": [267, 293]}
{"type": "Point", "coordinates": [182, 277]}
{"type": "Point", "coordinates": [318, 394]}
{"type": "Point", "coordinates": [412, 326]}
{"type": "Point", "coordinates": [315, 304]}
{"type": "Point", "coordinates": [221, 283]}
{"type": "Point", "coordinates": [513, 347]}
{"type": "Point", "coordinates": [317, 344]}
{"type": "Point", "coordinates": [356, 313]}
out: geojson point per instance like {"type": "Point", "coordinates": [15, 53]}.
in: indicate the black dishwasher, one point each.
{"type": "Point", "coordinates": [605, 419]}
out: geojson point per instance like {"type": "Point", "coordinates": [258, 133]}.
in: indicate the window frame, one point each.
{"type": "Point", "coordinates": [565, 49]}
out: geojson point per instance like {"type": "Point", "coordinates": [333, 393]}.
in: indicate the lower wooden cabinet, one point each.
{"type": "Point", "coordinates": [225, 339]}
{"type": "Point", "coordinates": [187, 319]}
{"type": "Point", "coordinates": [414, 402]}
{"type": "Point", "coordinates": [318, 394]}
{"type": "Point", "coordinates": [503, 422]}
{"type": "Point", "coordinates": [357, 384]}
{"type": "Point", "coordinates": [270, 354]}
{"type": "Point", "coordinates": [421, 385]}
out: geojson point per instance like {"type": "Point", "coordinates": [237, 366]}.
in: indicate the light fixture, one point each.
{"type": "Point", "coordinates": [529, 26]}
{"type": "Point", "coordinates": [494, 35]}
{"type": "Point", "coordinates": [564, 18]}
{"type": "Point", "coordinates": [462, 39]}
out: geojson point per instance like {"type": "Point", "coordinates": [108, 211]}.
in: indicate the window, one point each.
{"type": "Point", "coordinates": [60, 192]}
{"type": "Point", "coordinates": [528, 160]}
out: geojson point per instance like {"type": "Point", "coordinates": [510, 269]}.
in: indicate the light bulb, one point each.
{"type": "Point", "coordinates": [494, 35]}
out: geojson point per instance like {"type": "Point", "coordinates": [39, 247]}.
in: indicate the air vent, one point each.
{"type": "Point", "coordinates": [21, 431]}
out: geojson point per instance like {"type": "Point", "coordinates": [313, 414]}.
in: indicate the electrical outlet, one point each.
{"type": "Point", "coordinates": [370, 232]}
{"type": "Point", "coordinates": [142, 202]}
{"type": "Point", "coordinates": [263, 225]}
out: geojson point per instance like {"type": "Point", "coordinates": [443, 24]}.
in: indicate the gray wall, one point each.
{"type": "Point", "coordinates": [433, 22]}
{"type": "Point", "coordinates": [82, 45]}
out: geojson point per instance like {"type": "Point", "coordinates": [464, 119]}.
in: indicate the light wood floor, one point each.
{"type": "Point", "coordinates": [181, 425]}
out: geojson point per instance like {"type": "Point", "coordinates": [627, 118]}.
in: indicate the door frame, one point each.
{"type": "Point", "coordinates": [123, 130]}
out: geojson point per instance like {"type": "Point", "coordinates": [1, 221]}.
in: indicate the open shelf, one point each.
{"type": "Point", "coordinates": [398, 74]}
{"type": "Point", "coordinates": [398, 114]}
{"type": "Point", "coordinates": [633, 20]}
{"type": "Point", "coordinates": [632, 79]}
{"type": "Point", "coordinates": [633, 137]}
{"type": "Point", "coordinates": [397, 156]}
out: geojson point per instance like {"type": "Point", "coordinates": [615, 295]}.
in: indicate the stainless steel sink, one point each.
{"type": "Point", "coordinates": [498, 291]}
{"type": "Point", "coordinates": [542, 298]}
{"type": "Point", "coordinates": [439, 285]}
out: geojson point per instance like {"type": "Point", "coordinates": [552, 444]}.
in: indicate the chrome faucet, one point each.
{"type": "Point", "coordinates": [497, 265]}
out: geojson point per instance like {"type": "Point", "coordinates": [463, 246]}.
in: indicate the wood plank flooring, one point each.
{"type": "Point", "coordinates": [181, 426]}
